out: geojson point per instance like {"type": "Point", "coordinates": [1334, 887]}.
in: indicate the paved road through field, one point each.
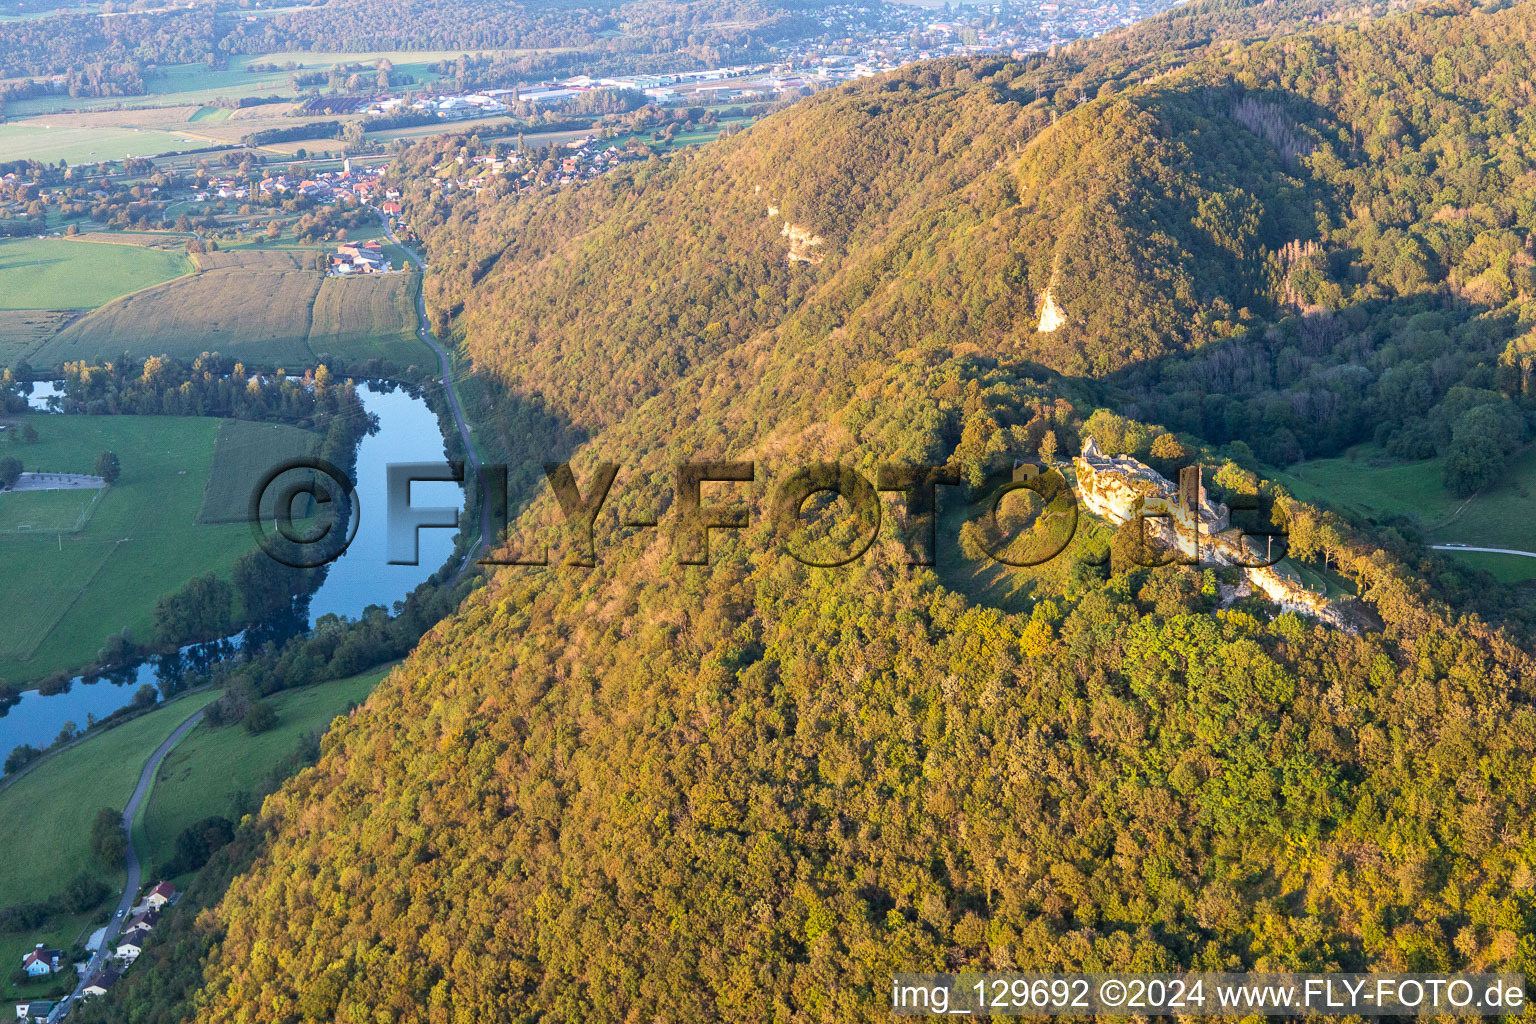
{"type": "Point", "coordinates": [425, 330]}
{"type": "Point", "coordinates": [1491, 551]}
{"type": "Point", "coordinates": [135, 868]}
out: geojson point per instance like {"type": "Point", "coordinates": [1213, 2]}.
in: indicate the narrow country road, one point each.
{"type": "Point", "coordinates": [1491, 551]}
{"type": "Point", "coordinates": [135, 868]}
{"type": "Point", "coordinates": [425, 330]}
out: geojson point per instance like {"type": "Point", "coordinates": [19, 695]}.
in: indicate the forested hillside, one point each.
{"type": "Point", "coordinates": [751, 791]}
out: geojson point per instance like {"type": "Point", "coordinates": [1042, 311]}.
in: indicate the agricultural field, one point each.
{"type": "Point", "coordinates": [220, 770]}
{"type": "Point", "coordinates": [244, 453]}
{"type": "Point", "coordinates": [23, 332]}
{"type": "Point", "coordinates": [1499, 516]}
{"type": "Point", "coordinates": [356, 319]}
{"type": "Point", "coordinates": [252, 305]}
{"type": "Point", "coordinates": [267, 307]}
{"type": "Point", "coordinates": [59, 274]}
{"type": "Point", "coordinates": [54, 803]}
{"type": "Point", "coordinates": [78, 145]}
{"type": "Point", "coordinates": [66, 591]}
{"type": "Point", "coordinates": [205, 114]}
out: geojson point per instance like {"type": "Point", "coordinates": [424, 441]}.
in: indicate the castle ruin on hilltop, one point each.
{"type": "Point", "coordinates": [1183, 519]}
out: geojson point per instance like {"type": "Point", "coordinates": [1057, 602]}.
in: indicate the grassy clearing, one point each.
{"type": "Point", "coordinates": [208, 114]}
{"type": "Point", "coordinates": [47, 511]}
{"type": "Point", "coordinates": [64, 594]}
{"type": "Point", "coordinates": [368, 317]}
{"type": "Point", "coordinates": [53, 805]}
{"type": "Point", "coordinates": [85, 145]}
{"type": "Point", "coordinates": [252, 305]}
{"type": "Point", "coordinates": [1499, 516]}
{"type": "Point", "coordinates": [244, 453]}
{"type": "Point", "coordinates": [1012, 589]}
{"type": "Point", "coordinates": [220, 771]}
{"type": "Point", "coordinates": [58, 274]}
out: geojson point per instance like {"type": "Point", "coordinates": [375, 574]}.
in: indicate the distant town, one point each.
{"type": "Point", "coordinates": [878, 38]}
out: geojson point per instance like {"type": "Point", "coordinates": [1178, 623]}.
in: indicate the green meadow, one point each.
{"type": "Point", "coordinates": [221, 770]}
{"type": "Point", "coordinates": [1499, 516]}
{"type": "Point", "coordinates": [61, 933]}
{"type": "Point", "coordinates": [53, 805]}
{"type": "Point", "coordinates": [66, 591]}
{"type": "Point", "coordinates": [242, 457]}
{"type": "Point", "coordinates": [1504, 568]}
{"type": "Point", "coordinates": [78, 144]}
{"type": "Point", "coordinates": [58, 273]}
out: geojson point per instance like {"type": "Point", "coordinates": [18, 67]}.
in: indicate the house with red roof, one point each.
{"type": "Point", "coordinates": [41, 962]}
{"type": "Point", "coordinates": [160, 895]}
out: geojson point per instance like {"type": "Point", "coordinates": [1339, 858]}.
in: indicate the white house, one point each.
{"type": "Point", "coordinates": [99, 984]}
{"type": "Point", "coordinates": [38, 1010]}
{"type": "Point", "coordinates": [132, 945]}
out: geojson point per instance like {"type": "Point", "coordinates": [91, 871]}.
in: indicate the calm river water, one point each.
{"type": "Point", "coordinates": [408, 432]}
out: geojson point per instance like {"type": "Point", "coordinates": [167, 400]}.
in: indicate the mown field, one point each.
{"type": "Point", "coordinates": [24, 331]}
{"type": "Point", "coordinates": [243, 455]}
{"type": "Point", "coordinates": [362, 318]}
{"type": "Point", "coordinates": [269, 308]}
{"type": "Point", "coordinates": [217, 770]}
{"type": "Point", "coordinates": [1499, 516]}
{"type": "Point", "coordinates": [52, 806]}
{"type": "Point", "coordinates": [78, 145]}
{"type": "Point", "coordinates": [249, 304]}
{"type": "Point", "coordinates": [63, 594]}
{"type": "Point", "coordinates": [58, 274]}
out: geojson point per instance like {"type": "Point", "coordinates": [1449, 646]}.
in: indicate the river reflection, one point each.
{"type": "Point", "coordinates": [408, 432]}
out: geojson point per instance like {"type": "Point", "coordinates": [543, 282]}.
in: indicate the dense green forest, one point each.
{"type": "Point", "coordinates": [752, 790]}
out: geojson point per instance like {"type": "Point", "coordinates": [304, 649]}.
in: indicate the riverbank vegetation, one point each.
{"type": "Point", "coordinates": [132, 574]}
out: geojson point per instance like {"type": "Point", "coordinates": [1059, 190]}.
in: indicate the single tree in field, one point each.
{"type": "Point", "coordinates": [29, 434]}
{"type": "Point", "coordinates": [108, 467]}
{"type": "Point", "coordinates": [10, 472]}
